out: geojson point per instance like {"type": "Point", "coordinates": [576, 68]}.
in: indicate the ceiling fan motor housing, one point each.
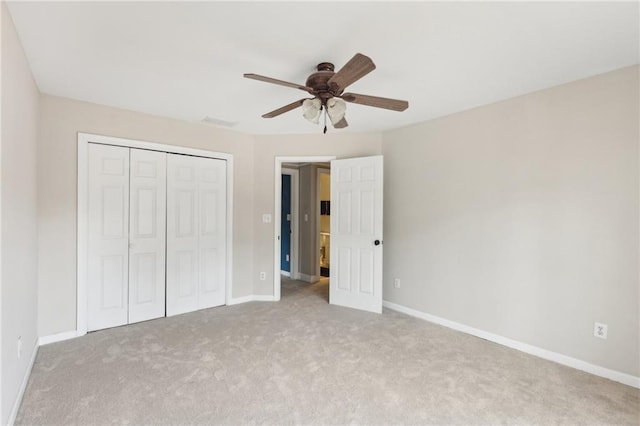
{"type": "Point", "coordinates": [318, 81]}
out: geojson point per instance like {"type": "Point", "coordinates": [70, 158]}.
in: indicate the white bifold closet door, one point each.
{"type": "Point", "coordinates": [127, 236]}
{"type": "Point", "coordinates": [196, 233]}
{"type": "Point", "coordinates": [156, 235]}
{"type": "Point", "coordinates": [108, 242]}
{"type": "Point", "coordinates": [147, 234]}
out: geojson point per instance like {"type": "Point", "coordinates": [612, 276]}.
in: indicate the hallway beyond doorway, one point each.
{"type": "Point", "coordinates": [318, 289]}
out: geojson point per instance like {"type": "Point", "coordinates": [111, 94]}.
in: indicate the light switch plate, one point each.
{"type": "Point", "coordinates": [266, 218]}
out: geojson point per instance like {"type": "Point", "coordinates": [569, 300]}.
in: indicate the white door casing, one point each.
{"type": "Point", "coordinates": [147, 234]}
{"type": "Point", "coordinates": [356, 233]}
{"type": "Point", "coordinates": [108, 236]}
{"type": "Point", "coordinates": [196, 234]}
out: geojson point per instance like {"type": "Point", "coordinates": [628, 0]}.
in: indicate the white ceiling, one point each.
{"type": "Point", "coordinates": [186, 60]}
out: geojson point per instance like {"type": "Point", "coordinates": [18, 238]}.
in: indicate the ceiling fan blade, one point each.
{"type": "Point", "coordinates": [282, 110]}
{"type": "Point", "coordinates": [341, 124]}
{"type": "Point", "coordinates": [359, 66]}
{"type": "Point", "coordinates": [376, 101]}
{"type": "Point", "coordinates": [276, 81]}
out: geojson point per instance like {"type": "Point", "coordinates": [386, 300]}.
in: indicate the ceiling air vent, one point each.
{"type": "Point", "coordinates": [218, 122]}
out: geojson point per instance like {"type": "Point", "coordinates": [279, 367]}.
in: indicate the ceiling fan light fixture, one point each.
{"type": "Point", "coordinates": [336, 108]}
{"type": "Point", "coordinates": [311, 109]}
{"type": "Point", "coordinates": [327, 88]}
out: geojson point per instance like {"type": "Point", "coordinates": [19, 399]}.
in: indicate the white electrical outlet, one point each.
{"type": "Point", "coordinates": [19, 347]}
{"type": "Point", "coordinates": [263, 276]}
{"type": "Point", "coordinates": [396, 283]}
{"type": "Point", "coordinates": [600, 330]}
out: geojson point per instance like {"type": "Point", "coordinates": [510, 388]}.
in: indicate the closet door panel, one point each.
{"type": "Point", "coordinates": [182, 234]}
{"type": "Point", "coordinates": [212, 232]}
{"type": "Point", "coordinates": [196, 233]}
{"type": "Point", "coordinates": [147, 236]}
{"type": "Point", "coordinates": [108, 239]}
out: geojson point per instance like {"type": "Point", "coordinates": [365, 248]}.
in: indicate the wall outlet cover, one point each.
{"type": "Point", "coordinates": [600, 330]}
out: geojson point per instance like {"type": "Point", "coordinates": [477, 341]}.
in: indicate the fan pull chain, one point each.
{"type": "Point", "coordinates": [325, 121]}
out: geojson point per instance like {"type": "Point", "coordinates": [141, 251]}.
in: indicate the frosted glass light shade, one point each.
{"type": "Point", "coordinates": [336, 108]}
{"type": "Point", "coordinates": [311, 109]}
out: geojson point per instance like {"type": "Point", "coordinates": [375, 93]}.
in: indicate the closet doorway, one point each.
{"type": "Point", "coordinates": [154, 231]}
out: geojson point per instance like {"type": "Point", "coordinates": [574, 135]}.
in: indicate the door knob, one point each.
{"type": "Point", "coordinates": [376, 242]}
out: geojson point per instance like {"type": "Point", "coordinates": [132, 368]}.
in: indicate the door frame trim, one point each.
{"type": "Point", "coordinates": [276, 209]}
{"type": "Point", "coordinates": [84, 139]}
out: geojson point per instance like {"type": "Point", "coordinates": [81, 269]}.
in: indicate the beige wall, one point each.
{"type": "Point", "coordinates": [521, 218]}
{"type": "Point", "coordinates": [61, 120]}
{"type": "Point", "coordinates": [309, 247]}
{"type": "Point", "coordinates": [308, 241]}
{"type": "Point", "coordinates": [267, 147]}
{"type": "Point", "coordinates": [18, 258]}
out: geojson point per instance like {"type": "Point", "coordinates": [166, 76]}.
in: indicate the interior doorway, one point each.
{"type": "Point", "coordinates": [305, 260]}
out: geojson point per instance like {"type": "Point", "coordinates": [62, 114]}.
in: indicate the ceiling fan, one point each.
{"type": "Point", "coordinates": [327, 88]}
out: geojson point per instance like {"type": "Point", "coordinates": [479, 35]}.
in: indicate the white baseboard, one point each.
{"type": "Point", "coordinates": [285, 273]}
{"type": "Point", "coordinates": [23, 386]}
{"type": "Point", "coordinates": [309, 278]}
{"type": "Point", "coordinates": [53, 338]}
{"type": "Point", "coordinates": [263, 298]}
{"type": "Point", "coordinates": [238, 300]}
{"type": "Point", "coordinates": [251, 298]}
{"type": "Point", "coordinates": [578, 364]}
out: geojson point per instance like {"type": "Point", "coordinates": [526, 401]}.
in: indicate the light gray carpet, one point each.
{"type": "Point", "coordinates": [302, 361]}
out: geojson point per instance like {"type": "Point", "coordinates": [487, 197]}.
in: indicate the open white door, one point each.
{"type": "Point", "coordinates": [356, 233]}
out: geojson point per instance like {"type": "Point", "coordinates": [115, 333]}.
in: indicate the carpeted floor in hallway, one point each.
{"type": "Point", "coordinates": [303, 361]}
